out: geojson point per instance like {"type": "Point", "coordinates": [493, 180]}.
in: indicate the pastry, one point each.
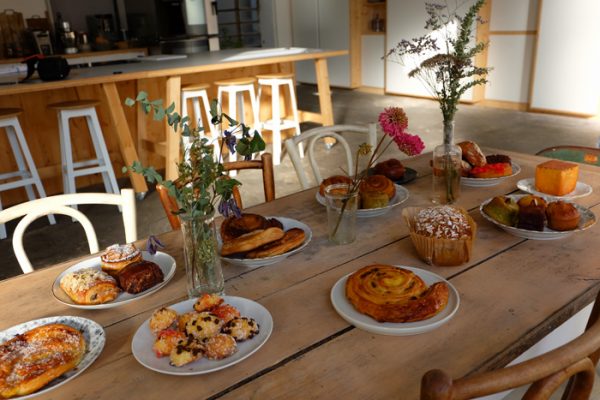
{"type": "Point", "coordinates": [465, 169]}
{"type": "Point", "coordinates": [226, 312]}
{"type": "Point", "coordinates": [162, 319]}
{"type": "Point", "coordinates": [531, 217]}
{"type": "Point", "coordinates": [333, 180]}
{"type": "Point", "coordinates": [392, 169]}
{"type": "Point", "coordinates": [203, 325]}
{"type": "Point", "coordinates": [291, 239]}
{"type": "Point", "coordinates": [370, 200]}
{"type": "Point", "coordinates": [472, 153]}
{"type": "Point", "coordinates": [532, 199]}
{"type": "Point", "coordinates": [166, 341]}
{"type": "Point", "coordinates": [186, 351]}
{"type": "Point", "coordinates": [219, 346]}
{"type": "Point", "coordinates": [117, 257]}
{"type": "Point", "coordinates": [31, 360]}
{"type": "Point", "coordinates": [378, 183]}
{"type": "Point", "coordinates": [497, 158]}
{"type": "Point", "coordinates": [442, 222]}
{"type": "Point", "coordinates": [562, 216]}
{"type": "Point", "coordinates": [207, 301]}
{"type": "Point", "coordinates": [496, 170]}
{"type": "Point", "coordinates": [241, 328]}
{"type": "Point", "coordinates": [233, 227]}
{"type": "Point", "coordinates": [391, 294]}
{"type": "Point", "coordinates": [502, 209]}
{"type": "Point", "coordinates": [555, 177]}
{"type": "Point", "coordinates": [89, 286]}
{"type": "Point", "coordinates": [140, 276]}
{"type": "Point", "coordinates": [251, 241]}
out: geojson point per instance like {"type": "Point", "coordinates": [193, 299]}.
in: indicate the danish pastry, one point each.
{"type": "Point", "coordinates": [89, 286]}
{"type": "Point", "coordinates": [391, 294]}
{"type": "Point", "coordinates": [291, 239]}
{"type": "Point", "coordinates": [117, 257]}
{"type": "Point", "coordinates": [251, 241]}
{"type": "Point", "coordinates": [378, 183]}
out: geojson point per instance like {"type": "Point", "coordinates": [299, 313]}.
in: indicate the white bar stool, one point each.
{"type": "Point", "coordinates": [276, 124]}
{"type": "Point", "coordinates": [27, 173]}
{"type": "Point", "coordinates": [101, 164]}
{"type": "Point", "coordinates": [235, 88]}
{"type": "Point", "coordinates": [197, 92]}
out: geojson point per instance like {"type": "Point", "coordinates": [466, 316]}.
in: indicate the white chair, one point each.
{"type": "Point", "coordinates": [313, 135]}
{"type": "Point", "coordinates": [60, 205]}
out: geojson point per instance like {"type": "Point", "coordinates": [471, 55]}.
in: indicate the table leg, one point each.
{"type": "Point", "coordinates": [126, 144]}
{"type": "Point", "coordinates": [324, 95]}
{"type": "Point", "coordinates": [173, 95]}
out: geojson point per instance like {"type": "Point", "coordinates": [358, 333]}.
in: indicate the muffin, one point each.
{"type": "Point", "coordinates": [373, 200]}
{"type": "Point", "coordinates": [502, 209]}
{"type": "Point", "coordinates": [532, 213]}
{"type": "Point", "coordinates": [562, 216]}
{"type": "Point", "coordinates": [118, 256]}
{"type": "Point", "coordinates": [442, 235]}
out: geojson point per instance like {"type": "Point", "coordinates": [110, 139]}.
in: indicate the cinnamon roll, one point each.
{"type": "Point", "coordinates": [378, 183]}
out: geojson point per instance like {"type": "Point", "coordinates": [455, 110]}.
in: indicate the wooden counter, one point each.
{"type": "Point", "coordinates": [129, 134]}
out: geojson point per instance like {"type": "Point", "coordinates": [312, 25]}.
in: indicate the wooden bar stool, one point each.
{"type": "Point", "coordinates": [101, 164]}
{"type": "Point", "coordinates": [277, 123]}
{"type": "Point", "coordinates": [197, 92]}
{"type": "Point", "coordinates": [27, 173]}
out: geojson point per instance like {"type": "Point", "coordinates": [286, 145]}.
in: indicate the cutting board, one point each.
{"type": "Point", "coordinates": [12, 33]}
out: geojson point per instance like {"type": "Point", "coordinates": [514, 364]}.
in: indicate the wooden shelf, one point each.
{"type": "Point", "coordinates": [373, 34]}
{"type": "Point", "coordinates": [368, 12]}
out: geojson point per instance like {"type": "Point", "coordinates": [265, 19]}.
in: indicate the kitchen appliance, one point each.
{"type": "Point", "coordinates": [43, 42]}
{"type": "Point", "coordinates": [66, 37]}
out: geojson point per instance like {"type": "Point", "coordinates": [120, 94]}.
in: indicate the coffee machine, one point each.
{"type": "Point", "coordinates": [66, 39]}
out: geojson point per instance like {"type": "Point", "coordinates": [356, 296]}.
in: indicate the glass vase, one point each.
{"type": "Point", "coordinates": [341, 213]}
{"type": "Point", "coordinates": [446, 173]}
{"type": "Point", "coordinates": [201, 254]}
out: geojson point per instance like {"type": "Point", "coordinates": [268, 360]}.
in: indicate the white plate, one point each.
{"type": "Point", "coordinates": [484, 182]}
{"type": "Point", "coordinates": [400, 197]}
{"type": "Point", "coordinates": [163, 260]}
{"type": "Point", "coordinates": [581, 190]}
{"type": "Point", "coordinates": [288, 223]}
{"type": "Point", "coordinates": [142, 342]}
{"type": "Point", "coordinates": [362, 321]}
{"type": "Point", "coordinates": [587, 220]}
{"type": "Point", "coordinates": [94, 338]}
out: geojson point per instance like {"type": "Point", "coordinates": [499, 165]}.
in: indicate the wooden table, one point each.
{"type": "Point", "coordinates": [128, 130]}
{"type": "Point", "coordinates": [513, 292]}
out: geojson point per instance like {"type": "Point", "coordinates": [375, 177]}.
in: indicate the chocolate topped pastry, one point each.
{"type": "Point", "coordinates": [497, 158]}
{"type": "Point", "coordinates": [531, 217]}
{"type": "Point", "coordinates": [140, 276]}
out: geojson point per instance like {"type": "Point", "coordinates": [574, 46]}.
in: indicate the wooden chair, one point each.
{"type": "Point", "coordinates": [574, 361]}
{"type": "Point", "coordinates": [580, 154]}
{"type": "Point", "coordinates": [34, 209]}
{"type": "Point", "coordinates": [313, 135]}
{"type": "Point", "coordinates": [265, 164]}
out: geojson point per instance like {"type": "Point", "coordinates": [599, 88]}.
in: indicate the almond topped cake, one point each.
{"type": "Point", "coordinates": [442, 222]}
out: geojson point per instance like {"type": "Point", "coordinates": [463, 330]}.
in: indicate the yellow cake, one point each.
{"type": "Point", "coordinates": [556, 177]}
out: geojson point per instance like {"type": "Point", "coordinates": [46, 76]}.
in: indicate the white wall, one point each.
{"type": "Point", "coordinates": [372, 66]}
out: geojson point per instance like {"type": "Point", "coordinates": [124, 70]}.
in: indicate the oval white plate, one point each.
{"type": "Point", "coordinates": [142, 342]}
{"type": "Point", "coordinates": [288, 223]}
{"type": "Point", "coordinates": [163, 260]}
{"type": "Point", "coordinates": [362, 321]}
{"type": "Point", "coordinates": [485, 182]}
{"type": "Point", "coordinates": [400, 197]}
{"type": "Point", "coordinates": [587, 220]}
{"type": "Point", "coordinates": [581, 190]}
{"type": "Point", "coordinates": [94, 338]}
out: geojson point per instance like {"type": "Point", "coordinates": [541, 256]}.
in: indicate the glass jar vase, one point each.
{"type": "Point", "coordinates": [341, 213]}
{"type": "Point", "coordinates": [446, 173]}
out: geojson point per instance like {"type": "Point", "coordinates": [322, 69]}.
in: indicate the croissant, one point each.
{"type": "Point", "coordinates": [378, 183]}
{"type": "Point", "coordinates": [391, 294]}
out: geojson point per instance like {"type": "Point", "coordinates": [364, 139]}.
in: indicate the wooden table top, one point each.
{"type": "Point", "coordinates": [512, 293]}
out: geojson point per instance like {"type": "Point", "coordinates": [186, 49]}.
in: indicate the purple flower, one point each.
{"type": "Point", "coordinates": [229, 207]}
{"type": "Point", "coordinates": [153, 244]}
{"type": "Point", "coordinates": [230, 141]}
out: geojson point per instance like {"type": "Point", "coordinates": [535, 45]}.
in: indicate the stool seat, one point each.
{"type": "Point", "coordinates": [74, 105]}
{"type": "Point", "coordinates": [236, 81]}
{"type": "Point", "coordinates": [195, 86]}
{"type": "Point", "coordinates": [10, 112]}
{"type": "Point", "coordinates": [282, 75]}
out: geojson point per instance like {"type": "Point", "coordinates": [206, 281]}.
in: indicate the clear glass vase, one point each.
{"type": "Point", "coordinates": [341, 213]}
{"type": "Point", "coordinates": [201, 254]}
{"type": "Point", "coordinates": [446, 174]}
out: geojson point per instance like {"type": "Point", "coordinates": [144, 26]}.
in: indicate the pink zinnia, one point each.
{"type": "Point", "coordinates": [393, 120]}
{"type": "Point", "coordinates": [409, 144]}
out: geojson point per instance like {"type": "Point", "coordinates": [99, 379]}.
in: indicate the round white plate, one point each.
{"type": "Point", "coordinates": [142, 342]}
{"type": "Point", "coordinates": [485, 182]}
{"type": "Point", "coordinates": [400, 197]}
{"type": "Point", "coordinates": [288, 223]}
{"type": "Point", "coordinates": [362, 321]}
{"type": "Point", "coordinates": [587, 220]}
{"type": "Point", "coordinates": [163, 260]}
{"type": "Point", "coordinates": [94, 338]}
{"type": "Point", "coordinates": [581, 190]}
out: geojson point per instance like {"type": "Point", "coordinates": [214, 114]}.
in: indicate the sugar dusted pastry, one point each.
{"type": "Point", "coordinates": [166, 341]}
{"type": "Point", "coordinates": [162, 319]}
{"type": "Point", "coordinates": [118, 256]}
{"type": "Point", "coordinates": [207, 301]}
{"type": "Point", "coordinates": [442, 222]}
{"type": "Point", "coordinates": [241, 328]}
{"type": "Point", "coordinates": [219, 346]}
{"type": "Point", "coordinates": [203, 325]}
{"type": "Point", "coordinates": [89, 286]}
{"type": "Point", "coordinates": [226, 312]}
{"type": "Point", "coordinates": [186, 351]}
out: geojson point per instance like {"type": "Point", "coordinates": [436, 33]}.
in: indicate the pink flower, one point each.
{"type": "Point", "coordinates": [393, 120]}
{"type": "Point", "coordinates": [409, 144]}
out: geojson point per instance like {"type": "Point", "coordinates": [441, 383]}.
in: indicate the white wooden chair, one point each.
{"type": "Point", "coordinates": [313, 135]}
{"type": "Point", "coordinates": [34, 209]}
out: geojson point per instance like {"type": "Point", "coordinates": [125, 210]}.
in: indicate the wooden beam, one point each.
{"type": "Point", "coordinates": [173, 95]}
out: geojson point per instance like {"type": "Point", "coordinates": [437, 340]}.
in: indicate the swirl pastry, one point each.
{"type": "Point", "coordinates": [117, 257]}
{"type": "Point", "coordinates": [391, 294]}
{"type": "Point", "coordinates": [378, 183]}
{"type": "Point", "coordinates": [332, 180]}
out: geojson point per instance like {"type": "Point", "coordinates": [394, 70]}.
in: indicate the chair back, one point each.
{"type": "Point", "coordinates": [34, 209]}
{"type": "Point", "coordinates": [574, 362]}
{"type": "Point", "coordinates": [265, 164]}
{"type": "Point", "coordinates": [580, 154]}
{"type": "Point", "coordinates": [313, 136]}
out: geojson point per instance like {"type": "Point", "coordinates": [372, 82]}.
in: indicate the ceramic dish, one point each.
{"type": "Point", "coordinates": [364, 322]}
{"type": "Point", "coordinates": [587, 220]}
{"type": "Point", "coordinates": [400, 197]}
{"type": "Point", "coordinates": [581, 190]}
{"type": "Point", "coordinates": [94, 339]}
{"type": "Point", "coordinates": [163, 260]}
{"type": "Point", "coordinates": [485, 182]}
{"type": "Point", "coordinates": [142, 342]}
{"type": "Point", "coordinates": [409, 176]}
{"type": "Point", "coordinates": [288, 223]}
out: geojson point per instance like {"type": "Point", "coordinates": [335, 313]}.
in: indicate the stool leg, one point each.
{"type": "Point", "coordinates": [233, 98]}
{"type": "Point", "coordinates": [3, 234]}
{"type": "Point", "coordinates": [255, 108]}
{"type": "Point", "coordinates": [67, 155]}
{"type": "Point", "coordinates": [110, 181]}
{"type": "Point", "coordinates": [184, 99]}
{"type": "Point", "coordinates": [213, 129]}
{"type": "Point", "coordinates": [295, 113]}
{"type": "Point", "coordinates": [260, 124]}
{"type": "Point", "coordinates": [197, 115]}
{"type": "Point", "coordinates": [11, 132]}
{"type": "Point", "coordinates": [276, 127]}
